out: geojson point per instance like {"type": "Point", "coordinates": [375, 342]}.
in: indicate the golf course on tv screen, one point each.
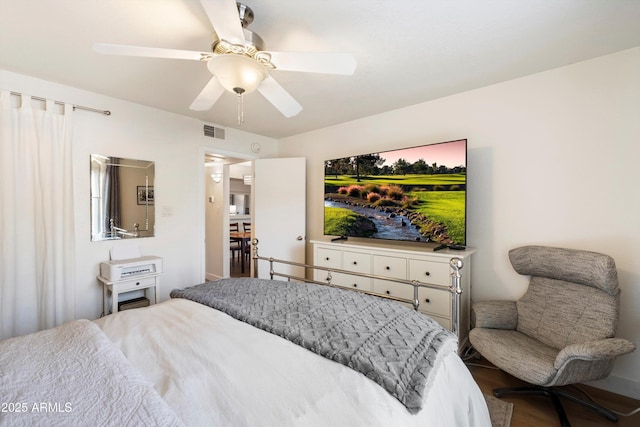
{"type": "Point", "coordinates": [411, 194]}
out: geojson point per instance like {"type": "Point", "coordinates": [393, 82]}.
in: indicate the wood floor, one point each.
{"type": "Point", "coordinates": [538, 411]}
{"type": "Point", "coordinates": [236, 271]}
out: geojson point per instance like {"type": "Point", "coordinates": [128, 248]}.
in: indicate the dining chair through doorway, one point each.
{"type": "Point", "coordinates": [246, 227]}
{"type": "Point", "coordinates": [234, 244]}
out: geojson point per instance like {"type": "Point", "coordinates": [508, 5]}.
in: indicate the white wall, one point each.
{"type": "Point", "coordinates": [552, 160]}
{"type": "Point", "coordinates": [215, 207]}
{"type": "Point", "coordinates": [176, 144]}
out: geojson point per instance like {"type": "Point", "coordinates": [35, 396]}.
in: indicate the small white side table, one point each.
{"type": "Point", "coordinates": [147, 282]}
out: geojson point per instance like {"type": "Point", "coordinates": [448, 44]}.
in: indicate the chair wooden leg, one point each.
{"type": "Point", "coordinates": [234, 253]}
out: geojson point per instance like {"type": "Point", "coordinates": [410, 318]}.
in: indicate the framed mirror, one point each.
{"type": "Point", "coordinates": [122, 198]}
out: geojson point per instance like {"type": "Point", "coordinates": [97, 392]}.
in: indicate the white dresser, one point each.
{"type": "Point", "coordinates": [401, 262]}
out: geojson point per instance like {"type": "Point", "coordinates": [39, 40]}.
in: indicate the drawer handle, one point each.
{"type": "Point", "coordinates": [137, 283]}
{"type": "Point", "coordinates": [355, 285]}
{"type": "Point", "coordinates": [427, 274]}
{"type": "Point", "coordinates": [388, 292]}
{"type": "Point", "coordinates": [355, 263]}
{"type": "Point", "coordinates": [326, 259]}
{"type": "Point", "coordinates": [427, 300]}
{"type": "Point", "coordinates": [388, 268]}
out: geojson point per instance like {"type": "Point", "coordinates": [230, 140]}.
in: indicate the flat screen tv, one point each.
{"type": "Point", "coordinates": [411, 194]}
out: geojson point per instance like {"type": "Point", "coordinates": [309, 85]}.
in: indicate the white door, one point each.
{"type": "Point", "coordinates": [279, 209]}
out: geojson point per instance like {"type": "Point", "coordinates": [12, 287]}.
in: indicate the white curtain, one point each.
{"type": "Point", "coordinates": [37, 254]}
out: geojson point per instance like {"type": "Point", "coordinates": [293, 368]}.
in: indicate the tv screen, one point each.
{"type": "Point", "coordinates": [411, 194]}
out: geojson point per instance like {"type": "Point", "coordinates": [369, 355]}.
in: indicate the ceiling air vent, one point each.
{"type": "Point", "coordinates": [213, 132]}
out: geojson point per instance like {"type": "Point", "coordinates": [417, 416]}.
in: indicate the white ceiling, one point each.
{"type": "Point", "coordinates": [407, 51]}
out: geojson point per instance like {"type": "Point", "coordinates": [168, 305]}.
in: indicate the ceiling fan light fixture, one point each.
{"type": "Point", "coordinates": [239, 62]}
{"type": "Point", "coordinates": [237, 73]}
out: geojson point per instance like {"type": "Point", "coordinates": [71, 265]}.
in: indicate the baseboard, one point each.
{"type": "Point", "coordinates": [211, 276]}
{"type": "Point", "coordinates": [619, 385]}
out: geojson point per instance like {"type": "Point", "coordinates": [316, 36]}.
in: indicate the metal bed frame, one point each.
{"type": "Point", "coordinates": [454, 288]}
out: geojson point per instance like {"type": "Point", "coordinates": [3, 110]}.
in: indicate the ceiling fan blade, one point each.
{"type": "Point", "coordinates": [280, 98]}
{"type": "Point", "coordinates": [314, 62]}
{"type": "Point", "coordinates": [209, 95]}
{"type": "Point", "coordinates": [225, 19]}
{"type": "Point", "coordinates": [149, 52]}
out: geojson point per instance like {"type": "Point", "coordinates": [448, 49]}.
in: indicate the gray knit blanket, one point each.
{"type": "Point", "coordinates": [393, 345]}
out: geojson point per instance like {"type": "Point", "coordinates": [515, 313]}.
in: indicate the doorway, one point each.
{"type": "Point", "coordinates": [277, 199]}
{"type": "Point", "coordinates": [227, 197]}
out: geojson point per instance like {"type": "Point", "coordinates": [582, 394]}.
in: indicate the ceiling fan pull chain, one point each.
{"type": "Point", "coordinates": [239, 91]}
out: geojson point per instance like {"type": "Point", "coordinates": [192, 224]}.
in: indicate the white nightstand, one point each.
{"type": "Point", "coordinates": [147, 282]}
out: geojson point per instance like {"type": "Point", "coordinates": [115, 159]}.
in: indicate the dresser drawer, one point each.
{"type": "Point", "coordinates": [436, 273]}
{"type": "Point", "coordinates": [387, 287]}
{"type": "Point", "coordinates": [348, 281]}
{"type": "Point", "coordinates": [131, 285]}
{"type": "Point", "coordinates": [329, 258]}
{"type": "Point", "coordinates": [390, 266]}
{"type": "Point", "coordinates": [434, 301]}
{"type": "Point", "coordinates": [356, 261]}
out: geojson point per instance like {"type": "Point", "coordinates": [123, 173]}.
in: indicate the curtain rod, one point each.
{"type": "Point", "coordinates": [75, 107]}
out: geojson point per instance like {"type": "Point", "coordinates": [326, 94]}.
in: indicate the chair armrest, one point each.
{"type": "Point", "coordinates": [595, 350]}
{"type": "Point", "coordinates": [495, 314]}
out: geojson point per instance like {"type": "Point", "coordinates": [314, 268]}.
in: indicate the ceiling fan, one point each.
{"type": "Point", "coordinates": [239, 62]}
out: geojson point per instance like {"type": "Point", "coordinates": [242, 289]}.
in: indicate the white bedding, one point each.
{"type": "Point", "coordinates": [213, 370]}
{"type": "Point", "coordinates": [72, 375]}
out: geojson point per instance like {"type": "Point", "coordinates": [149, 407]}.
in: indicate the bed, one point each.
{"type": "Point", "coordinates": [223, 354]}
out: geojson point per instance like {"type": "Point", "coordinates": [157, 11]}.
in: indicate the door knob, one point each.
{"type": "Point", "coordinates": [299, 238]}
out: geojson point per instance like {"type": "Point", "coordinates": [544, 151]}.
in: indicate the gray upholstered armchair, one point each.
{"type": "Point", "coordinates": [561, 331]}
